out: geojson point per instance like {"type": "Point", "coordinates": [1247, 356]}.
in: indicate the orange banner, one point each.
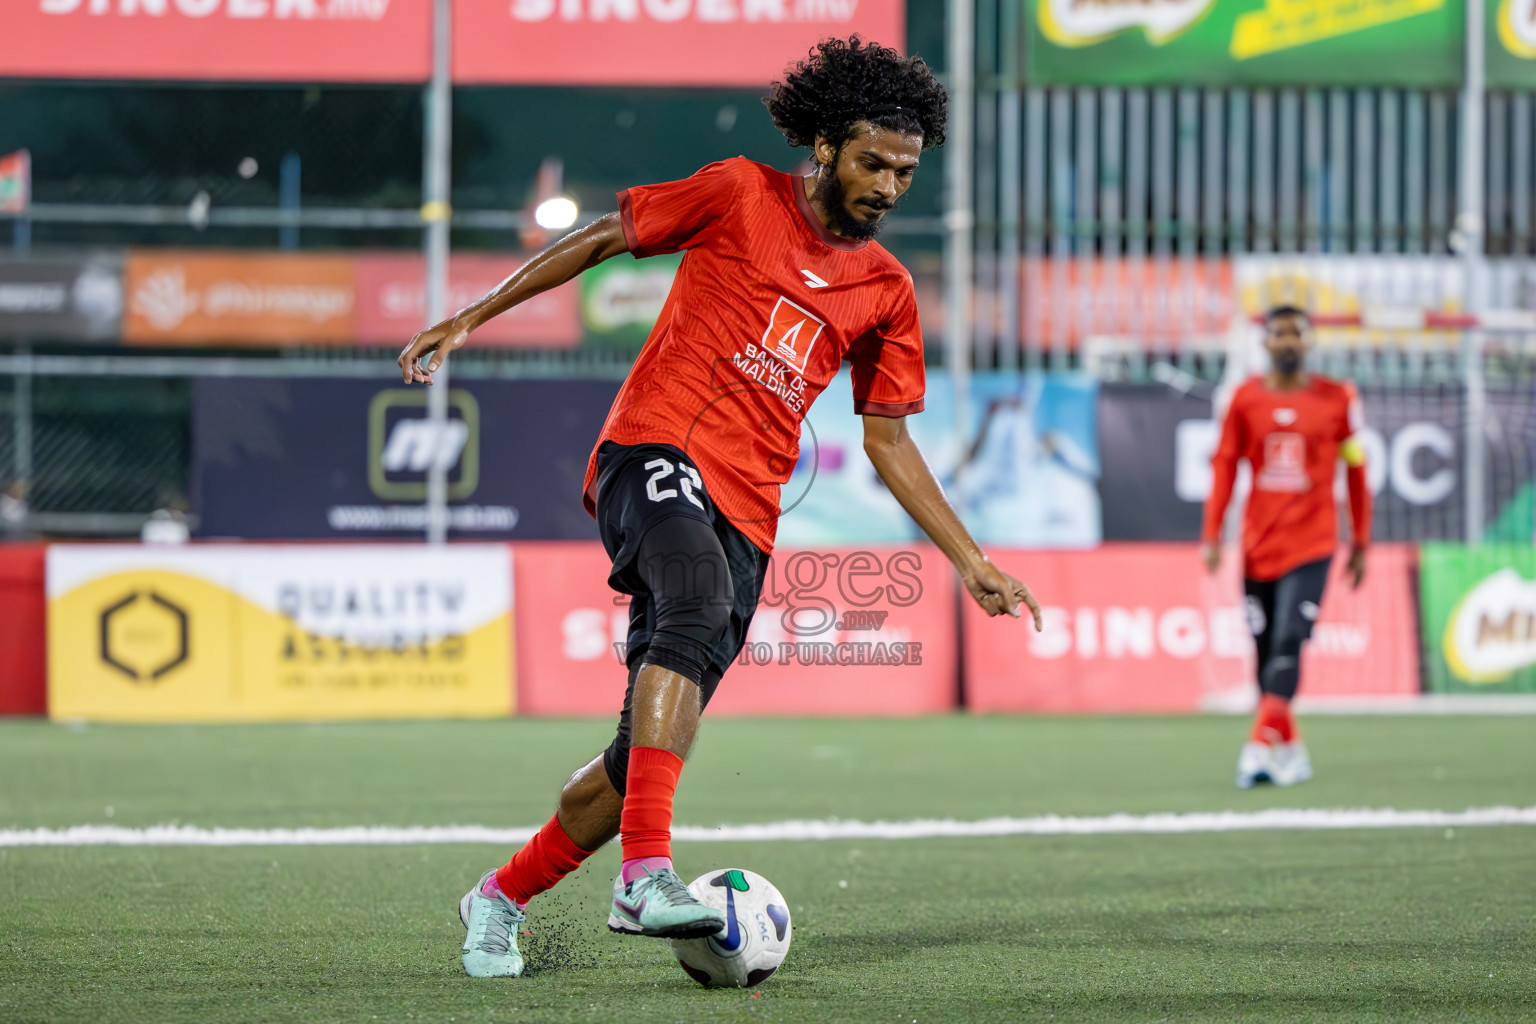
{"type": "Point", "coordinates": [200, 298]}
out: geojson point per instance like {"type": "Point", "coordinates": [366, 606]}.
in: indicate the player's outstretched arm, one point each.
{"type": "Point", "coordinates": [900, 464]}
{"type": "Point", "coordinates": [580, 250]}
{"type": "Point", "coordinates": [1223, 480]}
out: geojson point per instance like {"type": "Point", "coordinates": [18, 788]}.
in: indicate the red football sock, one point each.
{"type": "Point", "coordinates": [1274, 722]}
{"type": "Point", "coordinates": [645, 825]}
{"type": "Point", "coordinates": [545, 859]}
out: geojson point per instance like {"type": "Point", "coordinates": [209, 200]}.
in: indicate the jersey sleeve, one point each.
{"type": "Point", "coordinates": [888, 362]}
{"type": "Point", "coordinates": [1224, 468]}
{"type": "Point", "coordinates": [675, 215]}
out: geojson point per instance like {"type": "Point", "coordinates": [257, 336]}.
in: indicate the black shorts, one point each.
{"type": "Point", "coordinates": [639, 486]}
{"type": "Point", "coordinates": [1281, 612]}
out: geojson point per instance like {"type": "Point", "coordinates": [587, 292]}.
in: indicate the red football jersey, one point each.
{"type": "Point", "coordinates": [1291, 439]}
{"type": "Point", "coordinates": [765, 307]}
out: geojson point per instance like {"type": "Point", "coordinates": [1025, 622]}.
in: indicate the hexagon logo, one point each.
{"type": "Point", "coordinates": [144, 636]}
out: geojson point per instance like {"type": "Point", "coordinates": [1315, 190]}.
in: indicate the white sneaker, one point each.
{"type": "Point", "coordinates": [1290, 764]}
{"type": "Point", "coordinates": [490, 933]}
{"type": "Point", "coordinates": [1255, 763]}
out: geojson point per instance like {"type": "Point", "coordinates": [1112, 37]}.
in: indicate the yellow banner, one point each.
{"type": "Point", "coordinates": [1286, 24]}
{"type": "Point", "coordinates": [279, 633]}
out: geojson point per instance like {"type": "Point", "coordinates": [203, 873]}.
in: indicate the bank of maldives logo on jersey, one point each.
{"type": "Point", "coordinates": [791, 333]}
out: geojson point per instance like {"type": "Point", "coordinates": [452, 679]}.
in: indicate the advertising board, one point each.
{"type": "Point", "coordinates": [654, 42]}
{"type": "Point", "coordinates": [1134, 628]}
{"type": "Point", "coordinates": [1156, 443]}
{"type": "Point", "coordinates": [317, 458]}
{"type": "Point", "coordinates": [1244, 42]}
{"type": "Point", "coordinates": [62, 299]}
{"type": "Point", "coordinates": [839, 631]}
{"type": "Point", "coordinates": [220, 633]}
{"type": "Point", "coordinates": [1026, 469]}
{"type": "Point", "coordinates": [391, 302]}
{"type": "Point", "coordinates": [1479, 606]}
{"type": "Point", "coordinates": [219, 40]}
{"type": "Point", "coordinates": [197, 298]}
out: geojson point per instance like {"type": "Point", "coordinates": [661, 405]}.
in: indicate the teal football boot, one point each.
{"type": "Point", "coordinates": [490, 942]}
{"type": "Point", "coordinates": [659, 904]}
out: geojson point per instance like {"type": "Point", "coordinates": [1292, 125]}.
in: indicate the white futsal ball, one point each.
{"type": "Point", "coordinates": [756, 935]}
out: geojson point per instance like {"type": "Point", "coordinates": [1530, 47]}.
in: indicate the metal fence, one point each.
{"type": "Point", "coordinates": [1070, 186]}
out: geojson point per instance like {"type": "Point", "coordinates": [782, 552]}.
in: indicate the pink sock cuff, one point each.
{"type": "Point", "coordinates": [633, 869]}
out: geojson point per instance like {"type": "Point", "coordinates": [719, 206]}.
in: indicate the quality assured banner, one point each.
{"type": "Point", "coordinates": [1142, 628]}
{"type": "Point", "coordinates": [219, 40]}
{"type": "Point", "coordinates": [839, 631]}
{"type": "Point", "coordinates": [654, 42]}
{"type": "Point", "coordinates": [143, 634]}
{"type": "Point", "coordinates": [1479, 617]}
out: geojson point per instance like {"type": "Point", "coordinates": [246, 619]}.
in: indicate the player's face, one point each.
{"type": "Point", "coordinates": [876, 169]}
{"type": "Point", "coordinates": [1288, 339]}
{"type": "Point", "coordinates": [871, 173]}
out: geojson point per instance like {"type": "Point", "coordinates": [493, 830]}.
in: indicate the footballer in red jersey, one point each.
{"type": "Point", "coordinates": [1293, 427]}
{"type": "Point", "coordinates": [781, 282]}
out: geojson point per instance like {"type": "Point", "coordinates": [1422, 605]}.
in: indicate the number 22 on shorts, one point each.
{"type": "Point", "coordinates": [687, 481]}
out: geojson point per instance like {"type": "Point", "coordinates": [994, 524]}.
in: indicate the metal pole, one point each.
{"type": "Point", "coordinates": [1469, 234]}
{"type": "Point", "coordinates": [959, 220]}
{"type": "Point", "coordinates": [288, 198]}
{"type": "Point", "coordinates": [21, 420]}
{"type": "Point", "coordinates": [435, 211]}
{"type": "Point", "coordinates": [1010, 182]}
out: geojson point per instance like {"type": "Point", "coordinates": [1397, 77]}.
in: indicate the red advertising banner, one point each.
{"type": "Point", "coordinates": [654, 42]}
{"type": "Point", "coordinates": [219, 40]}
{"type": "Point", "coordinates": [1142, 628]}
{"type": "Point", "coordinates": [23, 641]}
{"type": "Point", "coordinates": [1070, 300]}
{"type": "Point", "coordinates": [391, 303]}
{"type": "Point", "coordinates": [839, 632]}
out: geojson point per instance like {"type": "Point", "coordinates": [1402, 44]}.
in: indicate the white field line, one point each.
{"type": "Point", "coordinates": [792, 831]}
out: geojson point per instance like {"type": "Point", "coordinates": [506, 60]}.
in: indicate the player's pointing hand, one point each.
{"type": "Point", "coordinates": [997, 592]}
{"type": "Point", "coordinates": [426, 352]}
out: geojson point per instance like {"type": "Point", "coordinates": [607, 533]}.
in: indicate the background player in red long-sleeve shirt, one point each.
{"type": "Point", "coordinates": [781, 282]}
{"type": "Point", "coordinates": [1292, 426]}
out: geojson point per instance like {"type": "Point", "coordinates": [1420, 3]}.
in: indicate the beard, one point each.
{"type": "Point", "coordinates": [833, 198]}
{"type": "Point", "coordinates": [1288, 363]}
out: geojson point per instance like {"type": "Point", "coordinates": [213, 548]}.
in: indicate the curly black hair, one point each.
{"type": "Point", "coordinates": [845, 81]}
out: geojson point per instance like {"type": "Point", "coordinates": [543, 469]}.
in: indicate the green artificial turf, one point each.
{"type": "Point", "coordinates": [1413, 924]}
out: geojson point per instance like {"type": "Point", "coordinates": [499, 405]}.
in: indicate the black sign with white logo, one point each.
{"type": "Point", "coordinates": [61, 300]}
{"type": "Point", "coordinates": [1155, 445]}
{"type": "Point", "coordinates": [346, 458]}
